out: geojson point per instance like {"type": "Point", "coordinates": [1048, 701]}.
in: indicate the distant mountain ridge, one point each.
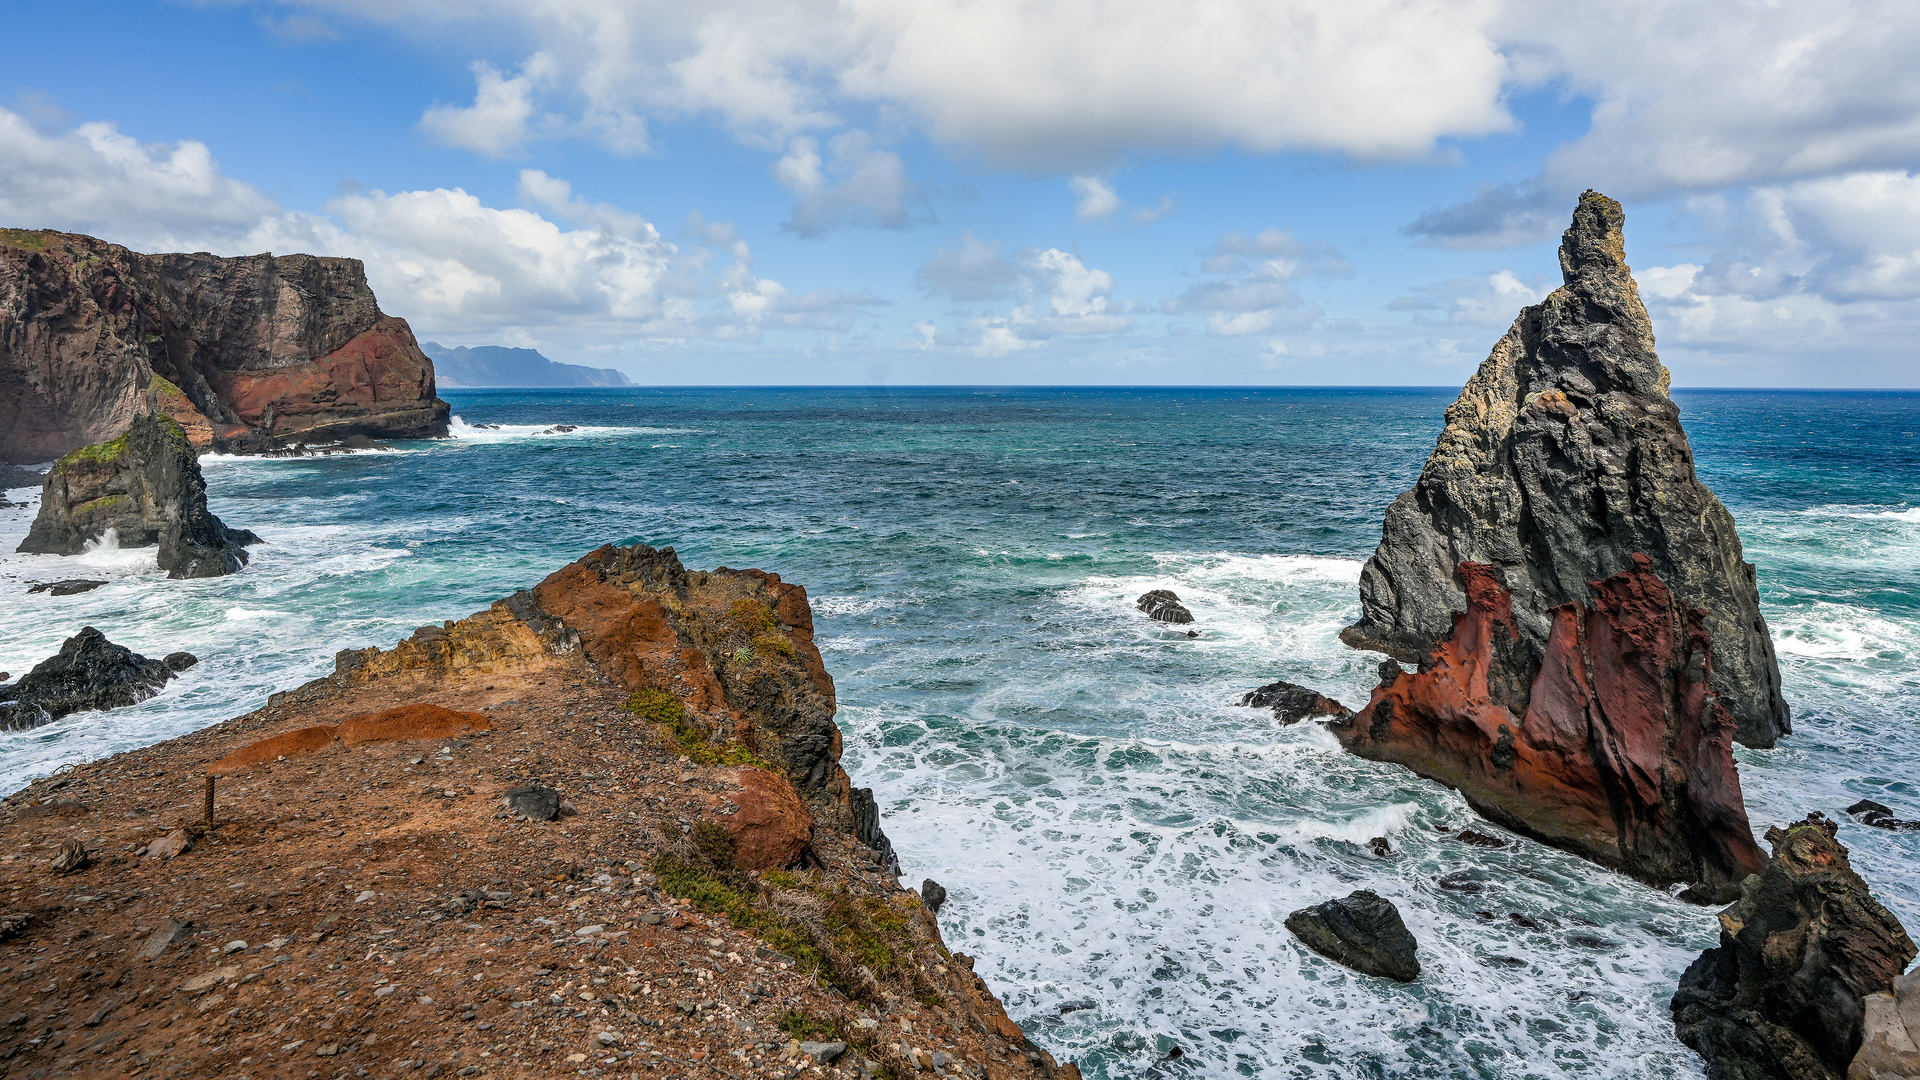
{"type": "Point", "coordinates": [463, 368]}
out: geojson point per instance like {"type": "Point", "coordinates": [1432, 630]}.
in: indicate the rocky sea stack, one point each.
{"type": "Point", "coordinates": [1588, 636]}
{"type": "Point", "coordinates": [146, 487]}
{"type": "Point", "coordinates": [1785, 995]}
{"type": "Point", "coordinates": [247, 353]}
{"type": "Point", "coordinates": [88, 673]}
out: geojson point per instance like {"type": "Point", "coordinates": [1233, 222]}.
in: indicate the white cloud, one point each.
{"type": "Point", "coordinates": [1490, 300]}
{"type": "Point", "coordinates": [95, 180]}
{"type": "Point", "coordinates": [1097, 198]}
{"type": "Point", "coordinates": [1262, 267]}
{"type": "Point", "coordinates": [1058, 295]}
{"type": "Point", "coordinates": [861, 185]}
{"type": "Point", "coordinates": [497, 123]}
{"type": "Point", "coordinates": [970, 272]}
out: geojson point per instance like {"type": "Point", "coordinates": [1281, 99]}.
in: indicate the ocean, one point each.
{"type": "Point", "coordinates": [1120, 840]}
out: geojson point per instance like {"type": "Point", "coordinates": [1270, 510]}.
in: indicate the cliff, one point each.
{"type": "Point", "coordinates": [245, 353]}
{"type": "Point", "coordinates": [601, 825]}
{"type": "Point", "coordinates": [1588, 639]}
{"type": "Point", "coordinates": [146, 487]}
{"type": "Point", "coordinates": [497, 365]}
{"type": "Point", "coordinates": [1562, 458]}
{"type": "Point", "coordinates": [1784, 996]}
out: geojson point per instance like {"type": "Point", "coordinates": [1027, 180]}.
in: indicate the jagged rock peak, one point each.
{"type": "Point", "coordinates": [1562, 458]}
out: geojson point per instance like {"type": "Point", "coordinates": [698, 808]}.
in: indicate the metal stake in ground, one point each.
{"type": "Point", "coordinates": [209, 800]}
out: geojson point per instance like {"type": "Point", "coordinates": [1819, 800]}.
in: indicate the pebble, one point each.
{"type": "Point", "coordinates": [235, 946]}
{"type": "Point", "coordinates": [363, 897]}
{"type": "Point", "coordinates": [589, 931]}
{"type": "Point", "coordinates": [607, 1038]}
{"type": "Point", "coordinates": [385, 991]}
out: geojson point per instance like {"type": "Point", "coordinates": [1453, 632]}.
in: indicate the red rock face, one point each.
{"type": "Point", "coordinates": [770, 826]}
{"type": "Point", "coordinates": [1620, 753]}
{"type": "Point", "coordinates": [246, 353]}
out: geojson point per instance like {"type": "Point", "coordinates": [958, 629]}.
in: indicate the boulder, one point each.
{"type": "Point", "coordinates": [245, 353]}
{"type": "Point", "coordinates": [770, 825]}
{"type": "Point", "coordinates": [533, 802]}
{"type": "Point", "coordinates": [88, 673]}
{"type": "Point", "coordinates": [1562, 460]}
{"type": "Point", "coordinates": [1587, 637]}
{"type": "Point", "coordinates": [932, 894]}
{"type": "Point", "coordinates": [1782, 997]}
{"type": "Point", "coordinates": [1363, 931]}
{"type": "Point", "coordinates": [1164, 606]}
{"type": "Point", "coordinates": [145, 487]}
{"type": "Point", "coordinates": [1292, 703]}
{"type": "Point", "coordinates": [68, 587]}
{"type": "Point", "coordinates": [1890, 1033]}
{"type": "Point", "coordinates": [1880, 816]}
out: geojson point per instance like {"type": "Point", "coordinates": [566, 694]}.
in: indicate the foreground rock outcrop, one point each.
{"type": "Point", "coordinates": [515, 844]}
{"type": "Point", "coordinates": [1588, 640]}
{"type": "Point", "coordinates": [146, 487]}
{"type": "Point", "coordinates": [1890, 1033]}
{"type": "Point", "coordinates": [246, 353]}
{"type": "Point", "coordinates": [88, 673]}
{"type": "Point", "coordinates": [1783, 996]}
{"type": "Point", "coordinates": [1363, 931]}
{"type": "Point", "coordinates": [1562, 459]}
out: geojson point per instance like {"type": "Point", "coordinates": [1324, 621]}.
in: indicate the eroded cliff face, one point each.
{"type": "Point", "coordinates": [1622, 755]}
{"type": "Point", "coordinates": [245, 353]}
{"type": "Point", "coordinates": [1562, 459]}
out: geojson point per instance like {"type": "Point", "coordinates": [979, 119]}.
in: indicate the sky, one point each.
{"type": "Point", "coordinates": [1215, 192]}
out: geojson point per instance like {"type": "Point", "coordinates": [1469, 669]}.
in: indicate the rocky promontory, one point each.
{"type": "Point", "coordinates": [1587, 637]}
{"type": "Point", "coordinates": [600, 827]}
{"type": "Point", "coordinates": [146, 488]}
{"type": "Point", "coordinates": [245, 353]}
{"type": "Point", "coordinates": [1562, 459]}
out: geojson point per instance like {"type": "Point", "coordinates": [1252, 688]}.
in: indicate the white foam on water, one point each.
{"type": "Point", "coordinates": [105, 553]}
{"type": "Point", "coordinates": [459, 429]}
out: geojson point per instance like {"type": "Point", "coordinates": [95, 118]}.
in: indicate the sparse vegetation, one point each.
{"type": "Point", "coordinates": [30, 239]}
{"type": "Point", "coordinates": [99, 453]}
{"type": "Point", "coordinates": [773, 643]}
{"type": "Point", "coordinates": [801, 1026]}
{"type": "Point", "coordinates": [660, 707]}
{"type": "Point", "coordinates": [104, 503]}
{"type": "Point", "coordinates": [751, 617]}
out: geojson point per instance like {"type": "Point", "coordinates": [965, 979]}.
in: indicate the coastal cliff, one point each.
{"type": "Point", "coordinates": [600, 826]}
{"type": "Point", "coordinates": [1562, 458]}
{"type": "Point", "coordinates": [245, 353]}
{"type": "Point", "coordinates": [1588, 638]}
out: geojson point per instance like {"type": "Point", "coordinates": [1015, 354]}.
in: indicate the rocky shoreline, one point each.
{"type": "Point", "coordinates": [364, 896]}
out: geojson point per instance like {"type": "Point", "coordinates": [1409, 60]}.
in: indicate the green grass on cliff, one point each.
{"type": "Point", "coordinates": [99, 453]}
{"type": "Point", "coordinates": [30, 239]}
{"type": "Point", "coordinates": [104, 503]}
{"type": "Point", "coordinates": [161, 385]}
{"type": "Point", "coordinates": [662, 708]}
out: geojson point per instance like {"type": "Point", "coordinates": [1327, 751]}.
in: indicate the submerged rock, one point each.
{"type": "Point", "coordinates": [88, 673]}
{"type": "Point", "coordinates": [68, 587]}
{"type": "Point", "coordinates": [145, 487]}
{"type": "Point", "coordinates": [1781, 996]}
{"type": "Point", "coordinates": [1562, 460]}
{"type": "Point", "coordinates": [1164, 606]}
{"type": "Point", "coordinates": [1364, 931]}
{"type": "Point", "coordinates": [1587, 637]}
{"type": "Point", "coordinates": [1880, 816]}
{"type": "Point", "coordinates": [1292, 703]}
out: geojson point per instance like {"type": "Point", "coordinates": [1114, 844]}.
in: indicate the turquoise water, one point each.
{"type": "Point", "coordinates": [1113, 831]}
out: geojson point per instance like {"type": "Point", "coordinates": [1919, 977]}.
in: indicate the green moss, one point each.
{"type": "Point", "coordinates": [781, 879]}
{"type": "Point", "coordinates": [30, 239]}
{"type": "Point", "coordinates": [161, 384]}
{"type": "Point", "coordinates": [661, 707]}
{"type": "Point", "coordinates": [99, 453]}
{"type": "Point", "coordinates": [715, 843]}
{"type": "Point", "coordinates": [104, 503]}
{"type": "Point", "coordinates": [717, 891]}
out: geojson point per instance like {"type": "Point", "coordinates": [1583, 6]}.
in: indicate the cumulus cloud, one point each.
{"type": "Point", "coordinates": [858, 186]}
{"type": "Point", "coordinates": [1097, 198]}
{"type": "Point", "coordinates": [94, 179]}
{"type": "Point", "coordinates": [1057, 294]}
{"type": "Point", "coordinates": [1257, 290]}
{"type": "Point", "coordinates": [499, 121]}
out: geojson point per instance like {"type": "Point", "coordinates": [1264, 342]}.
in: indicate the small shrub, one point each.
{"type": "Point", "coordinates": [781, 879]}
{"type": "Point", "coordinates": [808, 1028]}
{"type": "Point", "coordinates": [715, 843]}
{"type": "Point", "coordinates": [774, 643]}
{"type": "Point", "coordinates": [745, 656]}
{"type": "Point", "coordinates": [751, 617]}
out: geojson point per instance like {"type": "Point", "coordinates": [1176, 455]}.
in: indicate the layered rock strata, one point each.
{"type": "Point", "coordinates": [246, 353]}
{"type": "Point", "coordinates": [88, 673]}
{"type": "Point", "coordinates": [146, 488]}
{"type": "Point", "coordinates": [1562, 459]}
{"type": "Point", "coordinates": [371, 868]}
{"type": "Point", "coordinates": [1784, 996]}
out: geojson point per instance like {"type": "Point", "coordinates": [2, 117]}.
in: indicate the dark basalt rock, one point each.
{"type": "Point", "coordinates": [1562, 459]}
{"type": "Point", "coordinates": [88, 673]}
{"type": "Point", "coordinates": [65, 588]}
{"type": "Point", "coordinates": [179, 661]}
{"type": "Point", "coordinates": [932, 894]}
{"type": "Point", "coordinates": [1880, 816]}
{"type": "Point", "coordinates": [1781, 997]}
{"type": "Point", "coordinates": [1163, 605]}
{"type": "Point", "coordinates": [535, 803]}
{"type": "Point", "coordinates": [15, 476]}
{"type": "Point", "coordinates": [146, 487]}
{"type": "Point", "coordinates": [1362, 931]}
{"type": "Point", "coordinates": [1292, 703]}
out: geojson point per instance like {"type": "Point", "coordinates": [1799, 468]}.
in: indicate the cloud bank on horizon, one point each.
{"type": "Point", "coordinates": [1343, 191]}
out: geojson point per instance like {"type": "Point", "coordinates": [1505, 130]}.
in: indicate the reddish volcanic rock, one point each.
{"type": "Point", "coordinates": [771, 827]}
{"type": "Point", "coordinates": [245, 353]}
{"type": "Point", "coordinates": [1621, 753]}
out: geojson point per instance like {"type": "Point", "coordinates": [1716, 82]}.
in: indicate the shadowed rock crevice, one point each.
{"type": "Point", "coordinates": [1562, 458]}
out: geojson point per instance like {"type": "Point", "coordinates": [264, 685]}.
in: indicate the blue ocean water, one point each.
{"type": "Point", "coordinates": [1119, 839]}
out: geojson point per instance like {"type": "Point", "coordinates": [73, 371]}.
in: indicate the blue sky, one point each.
{"type": "Point", "coordinates": [1090, 191]}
